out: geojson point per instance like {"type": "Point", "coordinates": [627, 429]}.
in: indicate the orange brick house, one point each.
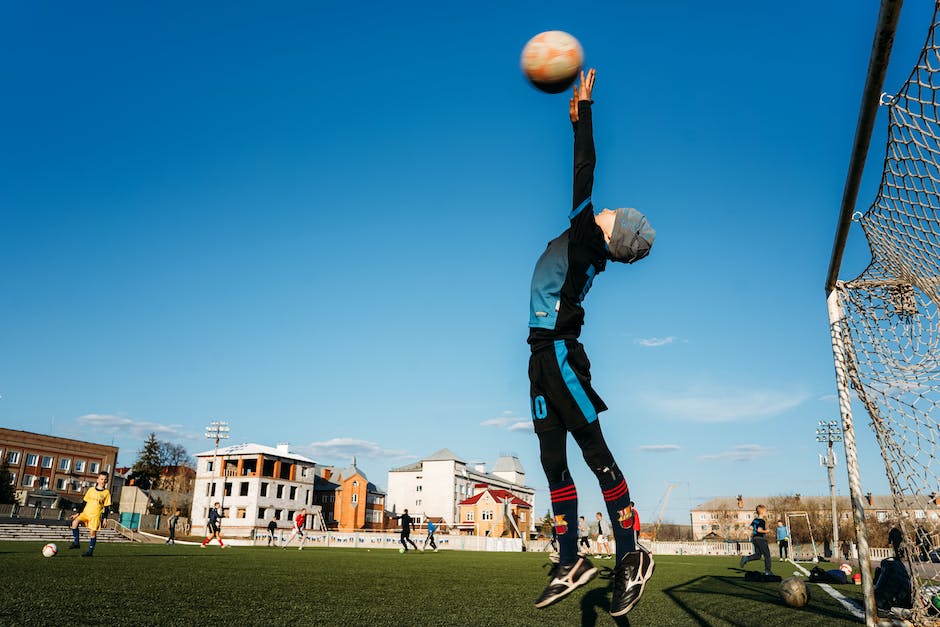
{"type": "Point", "coordinates": [349, 500]}
{"type": "Point", "coordinates": [493, 512]}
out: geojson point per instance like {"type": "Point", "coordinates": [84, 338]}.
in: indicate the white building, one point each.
{"type": "Point", "coordinates": [255, 484]}
{"type": "Point", "coordinates": [435, 485]}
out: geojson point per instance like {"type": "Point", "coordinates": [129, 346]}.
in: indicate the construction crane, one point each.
{"type": "Point", "coordinates": [662, 507]}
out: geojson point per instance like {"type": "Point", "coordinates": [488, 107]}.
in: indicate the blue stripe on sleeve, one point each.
{"type": "Point", "coordinates": [574, 385]}
{"type": "Point", "coordinates": [579, 208]}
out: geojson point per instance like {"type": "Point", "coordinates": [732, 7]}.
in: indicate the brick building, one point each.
{"type": "Point", "coordinates": [49, 471]}
{"type": "Point", "coordinates": [348, 499]}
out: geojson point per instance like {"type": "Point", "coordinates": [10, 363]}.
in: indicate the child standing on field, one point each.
{"type": "Point", "coordinates": [759, 540]}
{"type": "Point", "coordinates": [97, 503]}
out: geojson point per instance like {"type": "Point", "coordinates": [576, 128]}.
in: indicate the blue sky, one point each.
{"type": "Point", "coordinates": [318, 221]}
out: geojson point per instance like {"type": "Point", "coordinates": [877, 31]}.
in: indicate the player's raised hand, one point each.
{"type": "Point", "coordinates": [586, 85]}
{"type": "Point", "coordinates": [573, 105]}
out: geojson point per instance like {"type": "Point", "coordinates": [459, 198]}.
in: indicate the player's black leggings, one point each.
{"type": "Point", "coordinates": [554, 455]}
{"type": "Point", "coordinates": [405, 538]}
{"type": "Point", "coordinates": [761, 549]}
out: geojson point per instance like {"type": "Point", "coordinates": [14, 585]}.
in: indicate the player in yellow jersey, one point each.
{"type": "Point", "coordinates": [97, 504]}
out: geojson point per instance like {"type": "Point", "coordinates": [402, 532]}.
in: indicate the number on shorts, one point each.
{"type": "Point", "coordinates": [539, 407]}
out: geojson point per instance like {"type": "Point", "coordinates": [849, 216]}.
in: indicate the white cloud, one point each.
{"type": "Point", "coordinates": [659, 448]}
{"type": "Point", "coordinates": [725, 406]}
{"type": "Point", "coordinates": [739, 453]}
{"type": "Point", "coordinates": [344, 449]}
{"type": "Point", "coordinates": [654, 342]}
{"type": "Point", "coordinates": [132, 429]}
{"type": "Point", "coordinates": [508, 422]}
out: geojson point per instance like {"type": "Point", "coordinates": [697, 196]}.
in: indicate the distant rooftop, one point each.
{"type": "Point", "coordinates": [250, 448]}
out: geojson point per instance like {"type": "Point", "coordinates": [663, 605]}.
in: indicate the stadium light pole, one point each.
{"type": "Point", "coordinates": [218, 430]}
{"type": "Point", "coordinates": [830, 431]}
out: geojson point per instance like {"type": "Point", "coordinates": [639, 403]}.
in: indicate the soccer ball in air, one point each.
{"type": "Point", "coordinates": [794, 592]}
{"type": "Point", "coordinates": [551, 61]}
{"type": "Point", "coordinates": [49, 550]}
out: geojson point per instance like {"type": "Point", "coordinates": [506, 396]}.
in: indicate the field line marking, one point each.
{"type": "Point", "coordinates": [854, 607]}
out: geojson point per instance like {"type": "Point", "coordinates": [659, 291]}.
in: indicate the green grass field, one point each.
{"type": "Point", "coordinates": [132, 584]}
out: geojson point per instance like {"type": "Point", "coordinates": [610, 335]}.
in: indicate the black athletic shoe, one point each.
{"type": "Point", "coordinates": [75, 545]}
{"type": "Point", "coordinates": [564, 579]}
{"type": "Point", "coordinates": [629, 579]}
{"type": "Point", "coordinates": [88, 554]}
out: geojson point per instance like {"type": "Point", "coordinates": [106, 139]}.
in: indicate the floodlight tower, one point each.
{"type": "Point", "coordinates": [218, 430]}
{"type": "Point", "coordinates": [830, 431]}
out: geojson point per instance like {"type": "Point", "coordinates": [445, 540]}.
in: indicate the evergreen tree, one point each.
{"type": "Point", "coordinates": [146, 470]}
{"type": "Point", "coordinates": [7, 494]}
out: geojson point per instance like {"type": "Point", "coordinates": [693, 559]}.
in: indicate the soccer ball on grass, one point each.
{"type": "Point", "coordinates": [794, 592]}
{"type": "Point", "coordinates": [49, 550]}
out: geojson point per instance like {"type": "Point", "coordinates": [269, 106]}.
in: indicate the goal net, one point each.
{"type": "Point", "coordinates": [890, 322]}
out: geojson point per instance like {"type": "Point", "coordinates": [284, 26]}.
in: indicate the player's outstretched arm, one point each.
{"type": "Point", "coordinates": [584, 158]}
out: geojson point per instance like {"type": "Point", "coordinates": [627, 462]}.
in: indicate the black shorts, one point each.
{"type": "Point", "coordinates": [213, 528]}
{"type": "Point", "coordinates": [560, 387]}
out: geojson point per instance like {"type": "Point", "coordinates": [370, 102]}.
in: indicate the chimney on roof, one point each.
{"type": "Point", "coordinates": [869, 499]}
{"type": "Point", "coordinates": [327, 473]}
{"type": "Point", "coordinates": [283, 448]}
{"type": "Point", "coordinates": [740, 501]}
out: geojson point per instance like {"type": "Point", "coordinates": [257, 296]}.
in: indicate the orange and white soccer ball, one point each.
{"type": "Point", "coordinates": [551, 61]}
{"type": "Point", "coordinates": [50, 550]}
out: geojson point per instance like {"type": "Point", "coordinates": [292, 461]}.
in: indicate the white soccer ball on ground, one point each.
{"type": "Point", "coordinates": [401, 550]}
{"type": "Point", "coordinates": [49, 550]}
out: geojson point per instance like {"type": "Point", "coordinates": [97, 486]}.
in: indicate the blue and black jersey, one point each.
{"type": "Point", "coordinates": [758, 523]}
{"type": "Point", "coordinates": [565, 271]}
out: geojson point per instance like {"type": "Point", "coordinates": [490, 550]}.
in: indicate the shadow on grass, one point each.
{"type": "Point", "coordinates": [697, 598]}
{"type": "Point", "coordinates": [598, 600]}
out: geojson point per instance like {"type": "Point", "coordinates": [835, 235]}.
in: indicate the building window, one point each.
{"type": "Point", "coordinates": [277, 514]}
{"type": "Point", "coordinates": [13, 457]}
{"type": "Point", "coordinates": [228, 488]}
{"type": "Point", "coordinates": [240, 512]}
{"type": "Point", "coordinates": [261, 511]}
{"type": "Point", "coordinates": [61, 484]}
{"type": "Point", "coordinates": [264, 488]}
{"type": "Point", "coordinates": [210, 489]}
{"type": "Point", "coordinates": [293, 492]}
{"type": "Point", "coordinates": [418, 503]}
{"type": "Point", "coordinates": [32, 459]}
{"type": "Point", "coordinates": [28, 481]}
{"type": "Point", "coordinates": [418, 488]}
{"type": "Point", "coordinates": [93, 467]}
{"type": "Point", "coordinates": [355, 498]}
{"type": "Point", "coordinates": [12, 478]}
{"type": "Point", "coordinates": [243, 490]}
{"type": "Point", "coordinates": [46, 461]}
{"type": "Point", "coordinates": [65, 463]}
{"type": "Point", "coordinates": [280, 491]}
{"type": "Point", "coordinates": [469, 515]}
{"type": "Point", "coordinates": [79, 465]}
{"type": "Point", "coordinates": [487, 514]}
{"type": "Point", "coordinates": [522, 516]}
{"type": "Point", "coordinates": [42, 482]}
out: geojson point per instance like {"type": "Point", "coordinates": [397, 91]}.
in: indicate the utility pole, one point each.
{"type": "Point", "coordinates": [830, 431]}
{"type": "Point", "coordinates": [218, 430]}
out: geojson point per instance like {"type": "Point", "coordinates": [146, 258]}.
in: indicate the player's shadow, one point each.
{"type": "Point", "coordinates": [697, 598]}
{"type": "Point", "coordinates": [595, 601]}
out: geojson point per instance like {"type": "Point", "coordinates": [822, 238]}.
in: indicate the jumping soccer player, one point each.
{"type": "Point", "coordinates": [94, 515]}
{"type": "Point", "coordinates": [214, 526]}
{"type": "Point", "coordinates": [298, 528]}
{"type": "Point", "coordinates": [562, 398]}
{"type": "Point", "coordinates": [759, 540]}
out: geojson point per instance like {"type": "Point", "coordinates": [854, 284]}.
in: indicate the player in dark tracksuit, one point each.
{"type": "Point", "coordinates": [759, 540]}
{"type": "Point", "coordinates": [562, 399]}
